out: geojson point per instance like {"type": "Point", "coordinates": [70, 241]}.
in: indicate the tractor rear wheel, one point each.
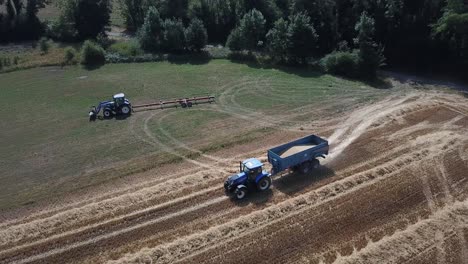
{"type": "Point", "coordinates": [126, 110]}
{"type": "Point", "coordinates": [241, 192]}
{"type": "Point", "coordinates": [107, 113]}
{"type": "Point", "coordinates": [264, 184]}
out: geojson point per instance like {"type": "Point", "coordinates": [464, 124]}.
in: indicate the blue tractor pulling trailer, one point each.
{"type": "Point", "coordinates": [299, 155]}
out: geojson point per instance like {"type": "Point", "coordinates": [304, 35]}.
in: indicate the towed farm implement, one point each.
{"type": "Point", "coordinates": [121, 106]}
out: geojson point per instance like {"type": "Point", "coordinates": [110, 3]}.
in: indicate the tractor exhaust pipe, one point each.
{"type": "Point", "coordinates": [240, 166]}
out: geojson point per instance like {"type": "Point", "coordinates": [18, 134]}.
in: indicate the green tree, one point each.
{"type": "Point", "coordinates": [150, 34]}
{"type": "Point", "coordinates": [452, 28]}
{"type": "Point", "coordinates": [302, 37]}
{"type": "Point", "coordinates": [88, 18]}
{"type": "Point", "coordinates": [134, 11]}
{"type": "Point", "coordinates": [278, 41]}
{"type": "Point", "coordinates": [323, 18]}
{"type": "Point", "coordinates": [235, 40]}
{"type": "Point", "coordinates": [370, 55]}
{"type": "Point", "coordinates": [196, 35]}
{"type": "Point", "coordinates": [251, 29]}
{"type": "Point", "coordinates": [92, 17]}
{"type": "Point", "coordinates": [174, 35]}
{"type": "Point", "coordinates": [218, 16]}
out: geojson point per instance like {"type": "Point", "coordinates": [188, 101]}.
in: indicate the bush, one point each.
{"type": "Point", "coordinates": [44, 45]}
{"type": "Point", "coordinates": [126, 49]}
{"type": "Point", "coordinates": [70, 55]}
{"type": "Point", "coordinates": [341, 63]}
{"type": "Point", "coordinates": [103, 40]}
{"type": "Point", "coordinates": [61, 30]}
{"type": "Point", "coordinates": [92, 53]}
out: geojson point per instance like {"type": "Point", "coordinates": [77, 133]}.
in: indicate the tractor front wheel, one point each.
{"type": "Point", "coordinates": [107, 113]}
{"type": "Point", "coordinates": [241, 192]}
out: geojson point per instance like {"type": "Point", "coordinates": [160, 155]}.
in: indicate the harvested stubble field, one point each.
{"type": "Point", "coordinates": [393, 190]}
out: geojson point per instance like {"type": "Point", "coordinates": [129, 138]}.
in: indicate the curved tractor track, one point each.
{"type": "Point", "coordinates": [394, 189]}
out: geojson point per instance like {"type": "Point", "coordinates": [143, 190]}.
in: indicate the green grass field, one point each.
{"type": "Point", "coordinates": [49, 147]}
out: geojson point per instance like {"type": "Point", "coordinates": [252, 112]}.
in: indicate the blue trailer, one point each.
{"type": "Point", "coordinates": [300, 155]}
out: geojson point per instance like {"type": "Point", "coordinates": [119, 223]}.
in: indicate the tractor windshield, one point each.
{"type": "Point", "coordinates": [119, 100]}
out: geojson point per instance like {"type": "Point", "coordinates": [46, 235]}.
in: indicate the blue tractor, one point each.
{"type": "Point", "coordinates": [251, 176]}
{"type": "Point", "coordinates": [118, 106]}
{"type": "Point", "coordinates": [300, 155]}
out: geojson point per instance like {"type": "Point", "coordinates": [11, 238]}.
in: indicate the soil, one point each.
{"type": "Point", "coordinates": [394, 189]}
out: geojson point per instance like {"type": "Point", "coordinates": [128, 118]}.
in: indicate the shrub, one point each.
{"type": "Point", "coordinates": [103, 40]}
{"type": "Point", "coordinates": [70, 55]}
{"type": "Point", "coordinates": [92, 53]}
{"type": "Point", "coordinates": [44, 45]}
{"type": "Point", "coordinates": [126, 49]}
{"type": "Point", "coordinates": [61, 30]}
{"type": "Point", "coordinates": [341, 63]}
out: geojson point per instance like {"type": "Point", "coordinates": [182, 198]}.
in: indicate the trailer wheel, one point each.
{"type": "Point", "coordinates": [241, 193]}
{"type": "Point", "coordinates": [184, 105]}
{"type": "Point", "coordinates": [305, 167]}
{"type": "Point", "coordinates": [189, 104]}
{"type": "Point", "coordinates": [315, 164]}
{"type": "Point", "coordinates": [264, 184]}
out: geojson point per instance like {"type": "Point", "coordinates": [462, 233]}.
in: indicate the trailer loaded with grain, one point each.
{"type": "Point", "coordinates": [299, 155]}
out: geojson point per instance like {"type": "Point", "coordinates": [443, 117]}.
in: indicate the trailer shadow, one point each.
{"type": "Point", "coordinates": [295, 182]}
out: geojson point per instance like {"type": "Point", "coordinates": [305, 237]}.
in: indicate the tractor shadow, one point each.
{"type": "Point", "coordinates": [101, 118]}
{"type": "Point", "coordinates": [254, 197]}
{"type": "Point", "coordinates": [293, 183]}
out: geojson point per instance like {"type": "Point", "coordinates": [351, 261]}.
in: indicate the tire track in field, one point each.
{"type": "Point", "coordinates": [416, 141]}
{"type": "Point", "coordinates": [27, 232]}
{"type": "Point", "coordinates": [415, 239]}
{"type": "Point", "coordinates": [94, 240]}
{"type": "Point", "coordinates": [198, 243]}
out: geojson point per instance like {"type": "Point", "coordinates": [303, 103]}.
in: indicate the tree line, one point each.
{"type": "Point", "coordinates": [406, 32]}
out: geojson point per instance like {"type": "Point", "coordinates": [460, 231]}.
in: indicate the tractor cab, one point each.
{"type": "Point", "coordinates": [251, 176]}
{"type": "Point", "coordinates": [251, 167]}
{"type": "Point", "coordinates": [119, 99]}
